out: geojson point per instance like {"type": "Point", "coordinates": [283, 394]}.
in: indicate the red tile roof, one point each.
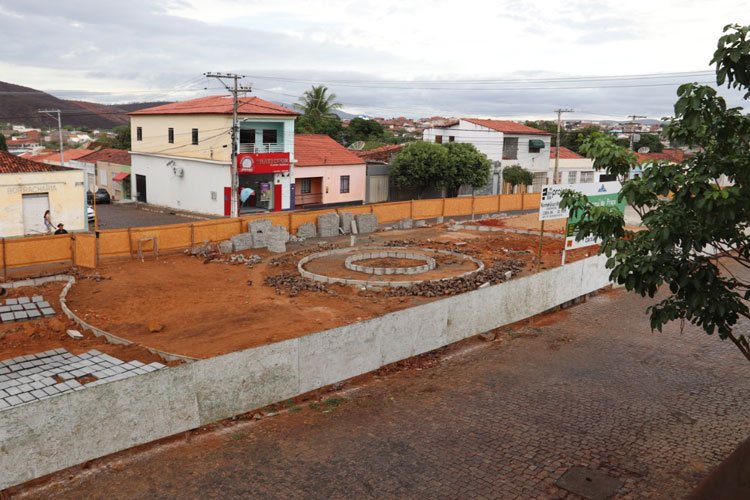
{"type": "Point", "coordinates": [11, 164]}
{"type": "Point", "coordinates": [507, 127]}
{"type": "Point", "coordinates": [313, 150]}
{"type": "Point", "coordinates": [565, 154]}
{"type": "Point", "coordinates": [14, 142]}
{"type": "Point", "coordinates": [673, 155]}
{"type": "Point", "coordinates": [380, 154]}
{"type": "Point", "coordinates": [109, 155]}
{"type": "Point", "coordinates": [68, 154]}
{"type": "Point", "coordinates": [217, 104]}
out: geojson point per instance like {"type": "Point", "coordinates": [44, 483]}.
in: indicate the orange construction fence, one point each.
{"type": "Point", "coordinates": [85, 249]}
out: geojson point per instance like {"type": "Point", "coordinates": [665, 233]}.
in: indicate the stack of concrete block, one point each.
{"type": "Point", "coordinates": [328, 225]}
{"type": "Point", "coordinates": [276, 238]}
{"type": "Point", "coordinates": [259, 230]}
{"type": "Point", "coordinates": [307, 230]}
{"type": "Point", "coordinates": [366, 223]}
{"type": "Point", "coordinates": [242, 241]}
{"type": "Point", "coordinates": [345, 222]}
{"type": "Point", "coordinates": [406, 223]}
{"type": "Point", "coordinates": [226, 246]}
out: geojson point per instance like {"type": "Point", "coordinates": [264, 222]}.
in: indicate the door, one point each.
{"type": "Point", "coordinates": [140, 188]}
{"type": "Point", "coordinates": [378, 188]}
{"type": "Point", "coordinates": [34, 206]}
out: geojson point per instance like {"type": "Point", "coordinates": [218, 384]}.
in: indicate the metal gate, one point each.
{"type": "Point", "coordinates": [378, 188]}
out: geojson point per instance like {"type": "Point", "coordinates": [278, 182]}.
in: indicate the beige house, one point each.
{"type": "Point", "coordinates": [28, 189]}
{"type": "Point", "coordinates": [112, 171]}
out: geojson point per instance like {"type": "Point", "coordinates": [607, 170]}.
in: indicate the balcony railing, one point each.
{"type": "Point", "coordinates": [252, 147]}
{"type": "Point", "coordinates": [308, 199]}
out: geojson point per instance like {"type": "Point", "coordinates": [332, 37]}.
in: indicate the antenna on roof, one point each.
{"type": "Point", "coordinates": [357, 146]}
{"type": "Point", "coordinates": [644, 150]}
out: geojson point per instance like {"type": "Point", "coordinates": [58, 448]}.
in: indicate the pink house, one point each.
{"type": "Point", "coordinates": [326, 173]}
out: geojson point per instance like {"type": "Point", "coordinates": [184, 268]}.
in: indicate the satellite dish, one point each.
{"type": "Point", "coordinates": [644, 150]}
{"type": "Point", "coordinates": [357, 146]}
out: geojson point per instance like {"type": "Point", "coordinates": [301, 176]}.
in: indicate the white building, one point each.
{"type": "Point", "coordinates": [181, 155]}
{"type": "Point", "coordinates": [574, 168]}
{"type": "Point", "coordinates": [505, 143]}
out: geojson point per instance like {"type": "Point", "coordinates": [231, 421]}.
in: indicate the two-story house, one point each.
{"type": "Point", "coordinates": [505, 143]}
{"type": "Point", "coordinates": [181, 155]}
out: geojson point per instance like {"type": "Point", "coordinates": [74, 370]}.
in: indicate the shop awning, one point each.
{"type": "Point", "coordinates": [121, 176]}
{"type": "Point", "coordinates": [536, 144]}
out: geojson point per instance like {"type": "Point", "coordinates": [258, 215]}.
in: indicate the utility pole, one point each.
{"type": "Point", "coordinates": [235, 89]}
{"type": "Point", "coordinates": [633, 118]}
{"type": "Point", "coordinates": [557, 149]}
{"type": "Point", "coordinates": [59, 130]}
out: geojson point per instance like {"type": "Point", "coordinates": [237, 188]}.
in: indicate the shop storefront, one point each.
{"type": "Point", "coordinates": [264, 182]}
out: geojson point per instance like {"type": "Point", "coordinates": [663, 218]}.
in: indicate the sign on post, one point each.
{"type": "Point", "coordinates": [599, 194]}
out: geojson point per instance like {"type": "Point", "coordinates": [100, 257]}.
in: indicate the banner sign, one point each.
{"type": "Point", "coordinates": [262, 163]}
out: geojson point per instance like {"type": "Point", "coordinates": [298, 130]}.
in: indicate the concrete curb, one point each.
{"type": "Point", "coordinates": [398, 250]}
{"type": "Point", "coordinates": [468, 227]}
{"type": "Point", "coordinates": [111, 338]}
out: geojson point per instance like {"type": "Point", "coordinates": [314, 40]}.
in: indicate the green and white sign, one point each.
{"type": "Point", "coordinates": [605, 195]}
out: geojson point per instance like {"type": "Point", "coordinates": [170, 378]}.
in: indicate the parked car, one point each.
{"type": "Point", "coordinates": [90, 213]}
{"type": "Point", "coordinates": [102, 196]}
{"type": "Point", "coordinates": [89, 197]}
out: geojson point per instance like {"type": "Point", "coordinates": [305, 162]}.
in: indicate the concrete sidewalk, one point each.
{"type": "Point", "coordinates": [588, 387]}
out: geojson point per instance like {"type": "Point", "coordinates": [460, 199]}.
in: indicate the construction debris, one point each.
{"type": "Point", "coordinates": [294, 283]}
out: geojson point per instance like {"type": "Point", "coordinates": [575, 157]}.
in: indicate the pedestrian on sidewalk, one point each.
{"type": "Point", "coordinates": [60, 229]}
{"type": "Point", "coordinates": [48, 226]}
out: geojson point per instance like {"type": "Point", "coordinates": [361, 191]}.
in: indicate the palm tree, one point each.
{"type": "Point", "coordinates": [316, 104]}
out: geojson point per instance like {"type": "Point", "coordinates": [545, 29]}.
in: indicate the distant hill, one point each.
{"type": "Point", "coordinates": [20, 105]}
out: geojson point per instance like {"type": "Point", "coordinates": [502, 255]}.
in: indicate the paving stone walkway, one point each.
{"type": "Point", "coordinates": [26, 379]}
{"type": "Point", "coordinates": [25, 308]}
{"type": "Point", "coordinates": [590, 388]}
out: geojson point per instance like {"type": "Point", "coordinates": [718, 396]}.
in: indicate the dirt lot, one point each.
{"type": "Point", "coordinates": [28, 337]}
{"type": "Point", "coordinates": [214, 308]}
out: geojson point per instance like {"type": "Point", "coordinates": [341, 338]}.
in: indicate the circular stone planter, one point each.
{"type": "Point", "coordinates": [429, 263]}
{"type": "Point", "coordinates": [377, 252]}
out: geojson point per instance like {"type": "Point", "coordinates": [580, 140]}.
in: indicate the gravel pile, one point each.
{"type": "Point", "coordinates": [497, 273]}
{"type": "Point", "coordinates": [293, 283]}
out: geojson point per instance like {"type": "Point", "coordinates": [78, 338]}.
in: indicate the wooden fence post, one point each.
{"type": "Point", "coordinates": [411, 209]}
{"type": "Point", "coordinates": [130, 243]}
{"type": "Point", "coordinates": [442, 212]}
{"type": "Point", "coordinates": [192, 236]}
{"type": "Point", "coordinates": [5, 260]}
{"type": "Point", "coordinates": [72, 239]}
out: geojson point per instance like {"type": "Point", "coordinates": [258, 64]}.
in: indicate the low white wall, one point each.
{"type": "Point", "coordinates": [62, 431]}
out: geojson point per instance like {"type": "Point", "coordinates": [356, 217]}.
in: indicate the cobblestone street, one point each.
{"type": "Point", "coordinates": [589, 387]}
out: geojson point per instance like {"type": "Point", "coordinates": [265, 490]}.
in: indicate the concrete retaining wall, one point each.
{"type": "Point", "coordinates": [62, 431]}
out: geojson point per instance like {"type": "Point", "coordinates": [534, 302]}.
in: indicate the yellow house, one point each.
{"type": "Point", "coordinates": [28, 189]}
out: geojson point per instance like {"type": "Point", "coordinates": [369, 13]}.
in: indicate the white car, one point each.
{"type": "Point", "coordinates": [90, 213]}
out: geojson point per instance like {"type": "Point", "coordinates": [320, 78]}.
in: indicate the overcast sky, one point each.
{"type": "Point", "coordinates": [381, 58]}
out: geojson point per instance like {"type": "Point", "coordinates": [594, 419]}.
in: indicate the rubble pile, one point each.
{"type": "Point", "coordinates": [294, 283]}
{"type": "Point", "coordinates": [250, 260]}
{"type": "Point", "coordinates": [497, 273]}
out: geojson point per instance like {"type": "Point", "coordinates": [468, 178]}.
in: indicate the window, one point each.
{"type": "Point", "coordinates": [344, 184]}
{"type": "Point", "coordinates": [247, 136]}
{"type": "Point", "coordinates": [195, 136]}
{"type": "Point", "coordinates": [572, 177]}
{"type": "Point", "coordinates": [305, 186]}
{"type": "Point", "coordinates": [139, 133]}
{"type": "Point", "coordinates": [510, 148]}
{"type": "Point", "coordinates": [587, 177]}
{"type": "Point", "coordinates": [607, 178]}
{"type": "Point", "coordinates": [451, 138]}
{"type": "Point", "coordinates": [269, 137]}
{"type": "Point", "coordinates": [438, 139]}
{"type": "Point", "coordinates": [170, 135]}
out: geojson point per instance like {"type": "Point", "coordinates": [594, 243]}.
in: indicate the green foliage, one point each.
{"type": "Point", "coordinates": [317, 103]}
{"type": "Point", "coordinates": [575, 139]}
{"type": "Point", "coordinates": [120, 141]}
{"type": "Point", "coordinates": [516, 174]}
{"type": "Point", "coordinates": [673, 252]}
{"type": "Point", "coordinates": [360, 129]}
{"type": "Point", "coordinates": [426, 164]}
{"type": "Point", "coordinates": [329, 125]}
{"type": "Point", "coordinates": [419, 165]}
{"type": "Point", "coordinates": [465, 166]}
{"type": "Point", "coordinates": [3, 145]}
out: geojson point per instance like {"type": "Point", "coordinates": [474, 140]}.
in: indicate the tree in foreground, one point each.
{"type": "Point", "coordinates": [3, 144]}
{"type": "Point", "coordinates": [696, 237]}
